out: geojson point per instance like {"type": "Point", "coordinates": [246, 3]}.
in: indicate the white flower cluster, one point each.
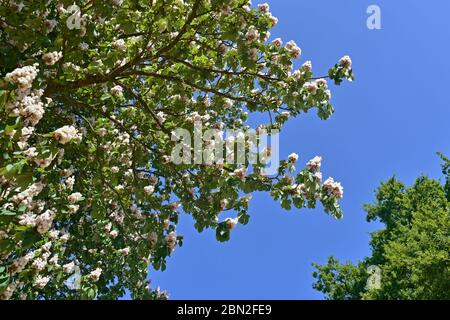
{"type": "Point", "coordinates": [314, 164]}
{"type": "Point", "coordinates": [307, 66]}
{"type": "Point", "coordinates": [40, 282]}
{"type": "Point", "coordinates": [293, 157]}
{"type": "Point", "coordinates": [252, 35]}
{"type": "Point", "coordinates": [44, 221]}
{"type": "Point", "coordinates": [161, 116]}
{"type": "Point", "coordinates": [334, 188]}
{"type": "Point", "coordinates": [124, 251]}
{"type": "Point", "coordinates": [346, 62]}
{"type": "Point", "coordinates": [311, 87]}
{"type": "Point", "coordinates": [66, 134]}
{"type": "Point", "coordinates": [28, 101]}
{"type": "Point", "coordinates": [120, 45]}
{"type": "Point", "coordinates": [23, 77]}
{"type": "Point", "coordinates": [6, 295]}
{"type": "Point", "coordinates": [148, 190]}
{"type": "Point", "coordinates": [227, 103]}
{"type": "Point", "coordinates": [293, 49]}
{"type": "Point", "coordinates": [117, 3]}
{"type": "Point", "coordinates": [26, 197]}
{"type": "Point", "coordinates": [39, 264]}
{"type": "Point", "coordinates": [240, 173]}
{"type": "Point", "coordinates": [223, 204]}
{"type": "Point", "coordinates": [117, 91]}
{"type": "Point", "coordinates": [95, 275]}
{"type": "Point", "coordinates": [231, 223]}
{"type": "Point", "coordinates": [18, 265]}
{"type": "Point", "coordinates": [264, 8]}
{"type": "Point", "coordinates": [69, 268]}
{"type": "Point", "coordinates": [277, 42]}
{"type": "Point", "coordinates": [30, 106]}
{"type": "Point", "coordinates": [51, 58]}
{"type": "Point", "coordinates": [75, 197]}
{"type": "Point", "coordinates": [50, 25]}
{"type": "Point", "coordinates": [171, 240]}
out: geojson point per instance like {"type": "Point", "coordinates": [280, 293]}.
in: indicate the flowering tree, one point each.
{"type": "Point", "coordinates": [90, 95]}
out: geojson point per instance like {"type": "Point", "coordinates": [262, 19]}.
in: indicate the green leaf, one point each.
{"type": "Point", "coordinates": [222, 233]}
{"type": "Point", "coordinates": [6, 212]}
{"type": "Point", "coordinates": [4, 278]}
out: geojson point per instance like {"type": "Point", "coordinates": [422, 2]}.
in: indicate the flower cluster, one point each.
{"type": "Point", "coordinates": [66, 134]}
{"type": "Point", "coordinates": [51, 58]}
{"type": "Point", "coordinates": [334, 188]}
{"type": "Point", "coordinates": [23, 77]}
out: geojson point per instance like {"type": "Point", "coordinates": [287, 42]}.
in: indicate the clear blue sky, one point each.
{"type": "Point", "coordinates": [390, 121]}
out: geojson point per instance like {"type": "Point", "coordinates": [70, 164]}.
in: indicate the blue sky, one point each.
{"type": "Point", "coordinates": [392, 120]}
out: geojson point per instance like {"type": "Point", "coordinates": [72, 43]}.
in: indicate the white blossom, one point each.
{"type": "Point", "coordinates": [95, 275]}
{"type": "Point", "coordinates": [124, 251]}
{"type": "Point", "coordinates": [315, 163]}
{"type": "Point", "coordinates": [120, 45]}
{"type": "Point", "coordinates": [117, 3]}
{"type": "Point", "coordinates": [231, 223]}
{"type": "Point", "coordinates": [69, 268]}
{"type": "Point", "coordinates": [40, 282]}
{"type": "Point", "coordinates": [70, 182]}
{"type": "Point", "coordinates": [171, 240]}
{"type": "Point", "coordinates": [227, 103]}
{"type": "Point", "coordinates": [51, 58]}
{"type": "Point", "coordinates": [311, 87]}
{"type": "Point", "coordinates": [334, 188]}
{"type": "Point", "coordinates": [75, 197]}
{"type": "Point", "coordinates": [73, 208]}
{"type": "Point", "coordinates": [293, 157]}
{"type": "Point", "coordinates": [252, 35]}
{"type": "Point", "coordinates": [277, 42]}
{"type": "Point", "coordinates": [84, 46]}
{"type": "Point", "coordinates": [345, 62]}
{"type": "Point", "coordinates": [293, 49]}
{"type": "Point", "coordinates": [149, 190]}
{"type": "Point", "coordinates": [223, 204]}
{"type": "Point", "coordinates": [27, 219]}
{"type": "Point", "coordinates": [45, 221]}
{"type": "Point", "coordinates": [23, 77]}
{"type": "Point", "coordinates": [66, 134]}
{"type": "Point", "coordinates": [307, 66]}
{"type": "Point", "coordinates": [117, 91]}
{"type": "Point", "coordinates": [39, 264]}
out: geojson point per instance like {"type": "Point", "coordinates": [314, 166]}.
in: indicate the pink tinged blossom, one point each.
{"type": "Point", "coordinates": [95, 275]}
{"type": "Point", "coordinates": [345, 62]}
{"type": "Point", "coordinates": [293, 49]}
{"type": "Point", "coordinates": [293, 157]}
{"type": "Point", "coordinates": [66, 134]}
{"type": "Point", "coordinates": [314, 164]}
{"type": "Point", "coordinates": [75, 197]}
{"type": "Point", "coordinates": [231, 223]}
{"type": "Point", "coordinates": [51, 58]}
{"type": "Point", "coordinates": [40, 282]}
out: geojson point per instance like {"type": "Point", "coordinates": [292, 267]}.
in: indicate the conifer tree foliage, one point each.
{"type": "Point", "coordinates": [90, 94]}
{"type": "Point", "coordinates": [411, 252]}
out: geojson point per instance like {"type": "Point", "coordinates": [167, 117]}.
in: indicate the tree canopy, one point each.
{"type": "Point", "coordinates": [411, 252]}
{"type": "Point", "coordinates": [90, 95]}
